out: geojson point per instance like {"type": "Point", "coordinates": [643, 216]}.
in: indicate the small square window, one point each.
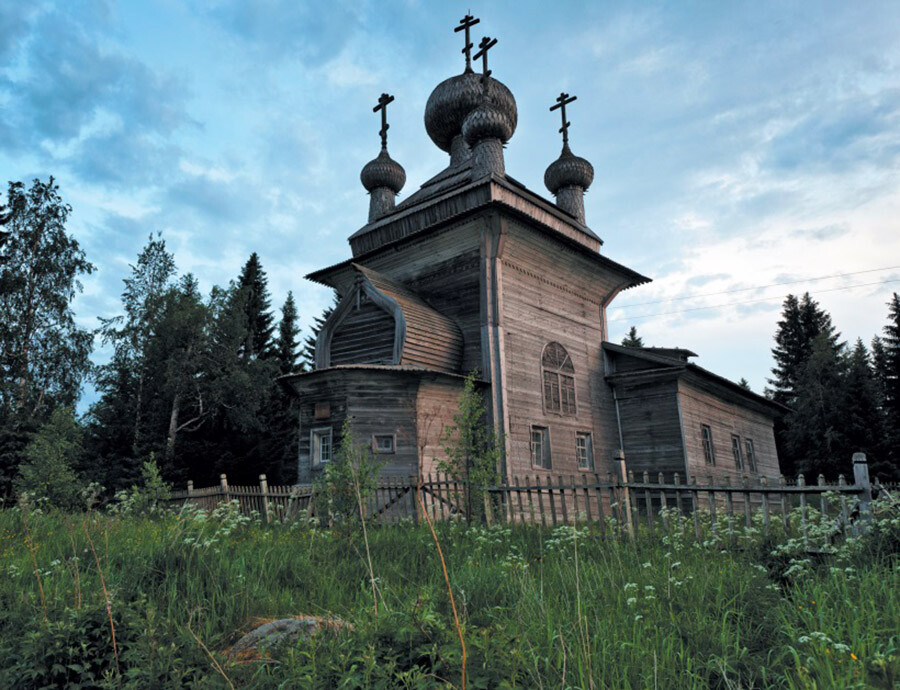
{"type": "Point", "coordinates": [584, 449]}
{"type": "Point", "coordinates": [736, 451]}
{"type": "Point", "coordinates": [540, 447]}
{"type": "Point", "coordinates": [751, 455]}
{"type": "Point", "coordinates": [320, 445]}
{"type": "Point", "coordinates": [383, 444]}
{"type": "Point", "coordinates": [706, 439]}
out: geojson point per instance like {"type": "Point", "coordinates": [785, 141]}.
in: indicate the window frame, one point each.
{"type": "Point", "coordinates": [315, 451]}
{"type": "Point", "coordinates": [558, 390]}
{"type": "Point", "coordinates": [750, 454]}
{"type": "Point", "coordinates": [378, 451]}
{"type": "Point", "coordinates": [545, 446]}
{"type": "Point", "coordinates": [589, 436]}
{"type": "Point", "coordinates": [737, 452]}
{"type": "Point", "coordinates": [707, 445]}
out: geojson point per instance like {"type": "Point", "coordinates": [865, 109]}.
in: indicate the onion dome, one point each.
{"type": "Point", "coordinates": [568, 170]}
{"type": "Point", "coordinates": [487, 121]}
{"type": "Point", "coordinates": [383, 171]}
{"type": "Point", "coordinates": [454, 98]}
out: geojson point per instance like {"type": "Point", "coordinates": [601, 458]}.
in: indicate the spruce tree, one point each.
{"type": "Point", "coordinates": [863, 424]}
{"type": "Point", "coordinates": [286, 348]}
{"type": "Point", "coordinates": [252, 298]}
{"type": "Point", "coordinates": [888, 371]}
{"type": "Point", "coordinates": [745, 384]}
{"type": "Point", "coordinates": [633, 339]}
{"type": "Point", "coordinates": [814, 438]}
{"type": "Point", "coordinates": [802, 321]}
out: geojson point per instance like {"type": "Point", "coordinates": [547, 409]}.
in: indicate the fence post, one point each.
{"type": "Point", "coordinates": [625, 499]}
{"type": "Point", "coordinates": [264, 493]}
{"type": "Point", "coordinates": [861, 479]}
{"type": "Point", "coordinates": [223, 482]}
{"type": "Point", "coordinates": [190, 488]}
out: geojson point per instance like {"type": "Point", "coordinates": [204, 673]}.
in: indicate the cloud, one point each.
{"type": "Point", "coordinates": [308, 32]}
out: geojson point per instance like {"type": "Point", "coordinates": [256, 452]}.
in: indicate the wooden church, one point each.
{"type": "Point", "coordinates": [475, 272]}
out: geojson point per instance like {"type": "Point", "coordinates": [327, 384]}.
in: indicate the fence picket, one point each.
{"type": "Point", "coordinates": [801, 481]}
{"type": "Point", "coordinates": [764, 483]}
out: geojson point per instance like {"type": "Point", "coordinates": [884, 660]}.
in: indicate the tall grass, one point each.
{"type": "Point", "coordinates": [660, 612]}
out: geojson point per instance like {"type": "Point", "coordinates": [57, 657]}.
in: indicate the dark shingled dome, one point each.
{"type": "Point", "coordinates": [454, 98]}
{"type": "Point", "coordinates": [485, 122]}
{"type": "Point", "coordinates": [568, 170]}
{"type": "Point", "coordinates": [383, 171]}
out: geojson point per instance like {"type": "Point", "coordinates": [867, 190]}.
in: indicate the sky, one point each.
{"type": "Point", "coordinates": [736, 145]}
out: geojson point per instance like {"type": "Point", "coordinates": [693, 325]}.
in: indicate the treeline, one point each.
{"type": "Point", "coordinates": [191, 381]}
{"type": "Point", "coordinates": [841, 398]}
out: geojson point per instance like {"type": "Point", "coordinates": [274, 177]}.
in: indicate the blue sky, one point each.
{"type": "Point", "coordinates": [735, 145]}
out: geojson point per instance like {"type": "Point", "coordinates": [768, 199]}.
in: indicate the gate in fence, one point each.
{"type": "Point", "coordinates": [620, 505]}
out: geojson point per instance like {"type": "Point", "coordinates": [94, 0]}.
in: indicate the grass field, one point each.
{"type": "Point", "coordinates": [538, 608]}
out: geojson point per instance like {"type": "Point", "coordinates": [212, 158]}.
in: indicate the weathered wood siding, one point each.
{"type": "Point", "coordinates": [365, 336]}
{"type": "Point", "coordinates": [377, 402]}
{"type": "Point", "coordinates": [551, 293]}
{"type": "Point", "coordinates": [724, 417]}
{"type": "Point", "coordinates": [442, 267]}
{"type": "Point", "coordinates": [651, 429]}
{"type": "Point", "coordinates": [438, 401]}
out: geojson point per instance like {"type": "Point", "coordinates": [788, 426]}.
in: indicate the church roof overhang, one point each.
{"type": "Point", "coordinates": [661, 367]}
{"type": "Point", "coordinates": [463, 194]}
{"type": "Point", "coordinates": [293, 382]}
{"type": "Point", "coordinates": [489, 193]}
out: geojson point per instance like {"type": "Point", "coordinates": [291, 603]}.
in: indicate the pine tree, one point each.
{"type": "Point", "coordinates": [252, 298]}
{"type": "Point", "coordinates": [308, 353]}
{"type": "Point", "coordinates": [745, 384]}
{"type": "Point", "coordinates": [286, 348]}
{"type": "Point", "coordinates": [633, 339]}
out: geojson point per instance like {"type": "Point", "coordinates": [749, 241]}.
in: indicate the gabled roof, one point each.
{"type": "Point", "coordinates": [673, 362]}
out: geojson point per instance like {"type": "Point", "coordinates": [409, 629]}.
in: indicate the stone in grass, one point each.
{"type": "Point", "coordinates": [280, 632]}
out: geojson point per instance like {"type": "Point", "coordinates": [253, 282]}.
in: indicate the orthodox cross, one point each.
{"type": "Point", "coordinates": [382, 106]}
{"type": "Point", "coordinates": [561, 102]}
{"type": "Point", "coordinates": [465, 24]}
{"type": "Point", "coordinates": [486, 44]}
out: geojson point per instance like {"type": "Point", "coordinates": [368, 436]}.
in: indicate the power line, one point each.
{"type": "Point", "coordinates": [750, 301]}
{"type": "Point", "coordinates": [756, 287]}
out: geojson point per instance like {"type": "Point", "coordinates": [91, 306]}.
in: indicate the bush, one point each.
{"type": "Point", "coordinates": [53, 451]}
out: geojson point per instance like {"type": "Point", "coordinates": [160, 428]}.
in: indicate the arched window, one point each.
{"type": "Point", "coordinates": [559, 380]}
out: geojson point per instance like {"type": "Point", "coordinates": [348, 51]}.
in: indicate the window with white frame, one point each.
{"type": "Point", "coordinates": [751, 455]}
{"type": "Point", "coordinates": [706, 440]}
{"type": "Point", "coordinates": [321, 445]}
{"type": "Point", "coordinates": [584, 450]}
{"type": "Point", "coordinates": [540, 447]}
{"type": "Point", "coordinates": [558, 375]}
{"type": "Point", "coordinates": [383, 444]}
{"type": "Point", "coordinates": [736, 451]}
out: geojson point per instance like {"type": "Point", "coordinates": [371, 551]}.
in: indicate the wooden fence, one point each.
{"type": "Point", "coordinates": [617, 505]}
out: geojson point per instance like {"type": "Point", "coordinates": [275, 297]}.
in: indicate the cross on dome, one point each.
{"type": "Point", "coordinates": [383, 101]}
{"type": "Point", "coordinates": [486, 44]}
{"type": "Point", "coordinates": [465, 24]}
{"type": "Point", "coordinates": [561, 103]}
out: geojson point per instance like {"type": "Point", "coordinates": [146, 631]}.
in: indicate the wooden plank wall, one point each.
{"type": "Point", "coordinates": [551, 293]}
{"type": "Point", "coordinates": [437, 402]}
{"type": "Point", "coordinates": [699, 407]}
{"type": "Point", "coordinates": [365, 336]}
{"type": "Point", "coordinates": [442, 268]}
{"type": "Point", "coordinates": [651, 429]}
